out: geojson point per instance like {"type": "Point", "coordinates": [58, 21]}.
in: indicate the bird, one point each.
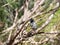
{"type": "Point", "coordinates": [33, 24]}
{"type": "Point", "coordinates": [34, 27]}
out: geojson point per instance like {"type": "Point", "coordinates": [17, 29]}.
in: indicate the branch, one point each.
{"type": "Point", "coordinates": [16, 16]}
{"type": "Point", "coordinates": [8, 3]}
{"type": "Point", "coordinates": [30, 34]}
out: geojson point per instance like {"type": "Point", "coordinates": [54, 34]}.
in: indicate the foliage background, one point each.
{"type": "Point", "coordinates": [7, 18]}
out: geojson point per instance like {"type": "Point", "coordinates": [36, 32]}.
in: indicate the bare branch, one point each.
{"type": "Point", "coordinates": [16, 16]}
{"type": "Point", "coordinates": [8, 3]}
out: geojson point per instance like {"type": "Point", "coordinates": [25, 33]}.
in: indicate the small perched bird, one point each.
{"type": "Point", "coordinates": [33, 24]}
{"type": "Point", "coordinates": [34, 27]}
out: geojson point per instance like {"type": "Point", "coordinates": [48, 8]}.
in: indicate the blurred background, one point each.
{"type": "Point", "coordinates": [42, 14]}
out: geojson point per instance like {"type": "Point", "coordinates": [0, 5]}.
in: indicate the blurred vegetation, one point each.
{"type": "Point", "coordinates": [6, 21]}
